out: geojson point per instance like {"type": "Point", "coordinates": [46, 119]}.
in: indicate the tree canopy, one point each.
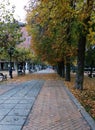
{"type": "Point", "coordinates": [62, 29]}
{"type": "Point", "coordinates": [10, 33]}
{"type": "Point", "coordinates": [49, 26]}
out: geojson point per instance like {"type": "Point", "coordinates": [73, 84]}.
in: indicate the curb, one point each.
{"type": "Point", "coordinates": [81, 109]}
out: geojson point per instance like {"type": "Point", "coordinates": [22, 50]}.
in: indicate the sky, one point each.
{"type": "Point", "coordinates": [20, 13]}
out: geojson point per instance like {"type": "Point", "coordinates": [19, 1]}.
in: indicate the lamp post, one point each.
{"type": "Point", "coordinates": [10, 52]}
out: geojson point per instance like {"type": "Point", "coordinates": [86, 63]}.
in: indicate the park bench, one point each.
{"type": "Point", "coordinates": [20, 72]}
{"type": "Point", "coordinates": [91, 76]}
{"type": "Point", "coordinates": [3, 77]}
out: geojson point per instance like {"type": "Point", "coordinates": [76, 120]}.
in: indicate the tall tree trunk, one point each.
{"type": "Point", "coordinates": [81, 46]}
{"type": "Point", "coordinates": [58, 68]}
{"type": "Point", "coordinates": [80, 63]}
{"type": "Point", "coordinates": [67, 77]}
{"type": "Point", "coordinates": [61, 69]}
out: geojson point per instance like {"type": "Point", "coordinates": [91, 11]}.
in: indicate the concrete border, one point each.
{"type": "Point", "coordinates": [81, 109]}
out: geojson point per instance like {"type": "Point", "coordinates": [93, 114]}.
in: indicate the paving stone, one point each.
{"type": "Point", "coordinates": [10, 127]}
{"type": "Point", "coordinates": [1, 101]}
{"type": "Point", "coordinates": [16, 104]}
{"type": "Point", "coordinates": [4, 97]}
{"type": "Point", "coordinates": [19, 112]}
{"type": "Point", "coordinates": [1, 117]}
{"type": "Point", "coordinates": [29, 97]}
{"type": "Point", "coordinates": [20, 105]}
{"type": "Point", "coordinates": [12, 101]}
{"type": "Point", "coordinates": [4, 112]}
{"type": "Point", "coordinates": [16, 97]}
{"type": "Point", "coordinates": [7, 106]}
{"type": "Point", "coordinates": [13, 120]}
{"type": "Point", "coordinates": [27, 101]}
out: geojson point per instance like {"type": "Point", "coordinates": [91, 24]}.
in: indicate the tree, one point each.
{"type": "Point", "coordinates": [90, 59]}
{"type": "Point", "coordinates": [10, 32]}
{"type": "Point", "coordinates": [48, 22]}
{"type": "Point", "coordinates": [84, 19]}
{"type": "Point", "coordinates": [21, 56]}
{"type": "Point", "coordinates": [63, 27]}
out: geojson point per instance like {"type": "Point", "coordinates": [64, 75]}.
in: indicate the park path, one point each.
{"type": "Point", "coordinates": [16, 104]}
{"type": "Point", "coordinates": [55, 110]}
{"type": "Point", "coordinates": [41, 105]}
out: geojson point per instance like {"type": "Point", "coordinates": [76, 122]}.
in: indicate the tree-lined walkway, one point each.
{"type": "Point", "coordinates": [54, 110]}
{"type": "Point", "coordinates": [42, 103]}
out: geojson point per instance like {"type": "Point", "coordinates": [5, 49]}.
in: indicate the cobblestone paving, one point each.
{"type": "Point", "coordinates": [54, 110]}
{"type": "Point", "coordinates": [16, 103]}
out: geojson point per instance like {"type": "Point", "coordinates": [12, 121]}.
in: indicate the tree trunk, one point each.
{"type": "Point", "coordinates": [81, 46]}
{"type": "Point", "coordinates": [61, 69]}
{"type": "Point", "coordinates": [80, 63]}
{"type": "Point", "coordinates": [67, 77]}
{"type": "Point", "coordinates": [58, 68]}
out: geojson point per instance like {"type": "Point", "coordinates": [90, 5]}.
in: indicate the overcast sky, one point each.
{"type": "Point", "coordinates": [19, 10]}
{"type": "Point", "coordinates": [20, 13]}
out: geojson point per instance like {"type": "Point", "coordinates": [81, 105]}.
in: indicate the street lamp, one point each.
{"type": "Point", "coordinates": [10, 52]}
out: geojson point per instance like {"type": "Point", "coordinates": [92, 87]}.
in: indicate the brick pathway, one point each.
{"type": "Point", "coordinates": [54, 110]}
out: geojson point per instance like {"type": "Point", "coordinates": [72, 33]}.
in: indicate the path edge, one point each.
{"type": "Point", "coordinates": [81, 109]}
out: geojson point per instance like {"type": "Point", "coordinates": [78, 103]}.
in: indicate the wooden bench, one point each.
{"type": "Point", "coordinates": [3, 77]}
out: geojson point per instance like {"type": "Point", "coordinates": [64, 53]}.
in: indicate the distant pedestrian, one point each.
{"type": "Point", "coordinates": [10, 73]}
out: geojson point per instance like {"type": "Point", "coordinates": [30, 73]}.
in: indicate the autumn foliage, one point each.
{"type": "Point", "coordinates": [62, 30]}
